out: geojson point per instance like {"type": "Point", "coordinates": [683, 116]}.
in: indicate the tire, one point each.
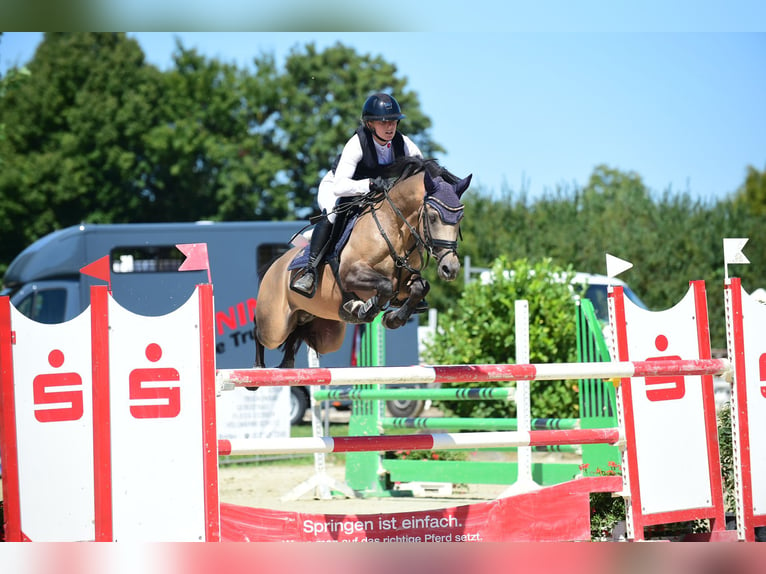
{"type": "Point", "coordinates": [404, 408]}
{"type": "Point", "coordinates": [299, 403]}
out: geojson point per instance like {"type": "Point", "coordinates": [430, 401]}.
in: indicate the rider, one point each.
{"type": "Point", "coordinates": [376, 143]}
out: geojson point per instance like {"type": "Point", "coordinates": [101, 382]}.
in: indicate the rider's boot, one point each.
{"type": "Point", "coordinates": [305, 283]}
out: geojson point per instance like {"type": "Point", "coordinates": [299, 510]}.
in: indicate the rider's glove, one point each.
{"type": "Point", "coordinates": [378, 185]}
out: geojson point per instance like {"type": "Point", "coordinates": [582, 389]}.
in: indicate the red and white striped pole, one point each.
{"type": "Point", "coordinates": [436, 441]}
{"type": "Point", "coordinates": [230, 378]}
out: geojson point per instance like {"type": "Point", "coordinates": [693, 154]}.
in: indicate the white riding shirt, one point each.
{"type": "Point", "coordinates": [340, 183]}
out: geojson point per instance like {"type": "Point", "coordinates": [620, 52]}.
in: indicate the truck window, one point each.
{"type": "Point", "coordinates": [45, 306]}
{"type": "Point", "coordinates": [598, 296]}
{"type": "Point", "coordinates": [146, 259]}
{"type": "Point", "coordinates": [268, 252]}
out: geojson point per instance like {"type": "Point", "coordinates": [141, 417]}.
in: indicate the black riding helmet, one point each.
{"type": "Point", "coordinates": [381, 107]}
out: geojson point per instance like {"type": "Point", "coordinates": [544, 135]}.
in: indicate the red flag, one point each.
{"type": "Point", "coordinates": [196, 258]}
{"type": "Point", "coordinates": [99, 269]}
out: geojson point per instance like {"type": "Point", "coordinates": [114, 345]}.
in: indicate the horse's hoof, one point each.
{"type": "Point", "coordinates": [392, 324]}
{"type": "Point", "coordinates": [421, 307]}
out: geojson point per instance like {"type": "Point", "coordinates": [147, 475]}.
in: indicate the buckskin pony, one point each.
{"type": "Point", "coordinates": [378, 268]}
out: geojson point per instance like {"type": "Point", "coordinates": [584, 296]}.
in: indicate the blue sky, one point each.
{"type": "Point", "coordinates": [534, 110]}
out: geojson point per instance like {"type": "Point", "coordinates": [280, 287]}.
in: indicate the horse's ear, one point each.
{"type": "Point", "coordinates": [462, 185]}
{"type": "Point", "coordinates": [429, 182]}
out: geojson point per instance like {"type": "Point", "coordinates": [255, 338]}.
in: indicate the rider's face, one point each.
{"type": "Point", "coordinates": [384, 129]}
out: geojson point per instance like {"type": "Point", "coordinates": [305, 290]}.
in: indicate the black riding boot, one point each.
{"type": "Point", "coordinates": [305, 283]}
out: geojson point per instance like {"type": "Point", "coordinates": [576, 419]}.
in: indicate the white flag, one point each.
{"type": "Point", "coordinates": [732, 250]}
{"type": "Point", "coordinates": [615, 265]}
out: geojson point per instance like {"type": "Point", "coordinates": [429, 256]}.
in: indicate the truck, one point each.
{"type": "Point", "coordinates": [45, 284]}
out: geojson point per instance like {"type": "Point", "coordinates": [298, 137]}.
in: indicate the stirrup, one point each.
{"type": "Point", "coordinates": [297, 284]}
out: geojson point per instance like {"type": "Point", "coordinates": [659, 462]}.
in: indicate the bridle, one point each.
{"type": "Point", "coordinates": [433, 247]}
{"type": "Point", "coordinates": [432, 244]}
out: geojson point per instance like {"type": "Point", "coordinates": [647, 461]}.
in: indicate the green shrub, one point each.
{"type": "Point", "coordinates": [479, 329]}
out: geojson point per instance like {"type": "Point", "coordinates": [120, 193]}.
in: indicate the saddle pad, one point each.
{"type": "Point", "coordinates": [301, 258]}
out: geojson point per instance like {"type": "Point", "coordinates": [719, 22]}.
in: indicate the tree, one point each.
{"type": "Point", "coordinates": [752, 193]}
{"type": "Point", "coordinates": [671, 238]}
{"type": "Point", "coordinates": [100, 136]}
{"type": "Point", "coordinates": [310, 110]}
{"type": "Point", "coordinates": [73, 143]}
{"type": "Point", "coordinates": [7, 83]}
{"type": "Point", "coordinates": [200, 159]}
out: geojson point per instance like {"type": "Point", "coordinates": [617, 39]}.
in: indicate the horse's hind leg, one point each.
{"type": "Point", "coordinates": [260, 354]}
{"type": "Point", "coordinates": [290, 348]}
{"type": "Point", "coordinates": [260, 360]}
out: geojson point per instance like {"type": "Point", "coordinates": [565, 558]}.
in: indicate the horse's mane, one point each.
{"type": "Point", "coordinates": [405, 167]}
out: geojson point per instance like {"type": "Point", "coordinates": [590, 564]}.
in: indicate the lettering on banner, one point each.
{"type": "Point", "coordinates": [57, 396]}
{"type": "Point", "coordinates": [426, 527]}
{"type": "Point", "coordinates": [665, 388]}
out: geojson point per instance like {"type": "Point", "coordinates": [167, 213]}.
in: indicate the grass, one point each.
{"type": "Point", "coordinates": [304, 430]}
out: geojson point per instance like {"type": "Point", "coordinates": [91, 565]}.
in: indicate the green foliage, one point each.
{"type": "Point", "coordinates": [752, 194]}
{"type": "Point", "coordinates": [479, 328]}
{"type": "Point", "coordinates": [606, 510]}
{"type": "Point", "coordinates": [670, 237]}
{"type": "Point", "coordinates": [308, 111]}
{"type": "Point", "coordinates": [74, 132]}
{"type": "Point", "coordinates": [426, 455]}
{"type": "Point", "coordinates": [96, 134]}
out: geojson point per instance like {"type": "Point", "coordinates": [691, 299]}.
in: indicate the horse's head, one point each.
{"type": "Point", "coordinates": [442, 212]}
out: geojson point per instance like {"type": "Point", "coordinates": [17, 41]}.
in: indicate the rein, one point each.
{"type": "Point", "coordinates": [402, 262]}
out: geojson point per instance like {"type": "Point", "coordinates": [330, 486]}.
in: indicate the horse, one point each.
{"type": "Point", "coordinates": [378, 269]}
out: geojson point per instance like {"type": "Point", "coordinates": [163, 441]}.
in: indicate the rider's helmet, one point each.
{"type": "Point", "coordinates": [381, 107]}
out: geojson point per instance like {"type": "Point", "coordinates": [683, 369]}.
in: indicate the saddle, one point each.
{"type": "Point", "coordinates": [302, 257]}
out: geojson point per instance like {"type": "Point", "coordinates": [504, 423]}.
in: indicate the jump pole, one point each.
{"type": "Point", "coordinates": [470, 394]}
{"type": "Point", "coordinates": [435, 441]}
{"type": "Point", "coordinates": [333, 376]}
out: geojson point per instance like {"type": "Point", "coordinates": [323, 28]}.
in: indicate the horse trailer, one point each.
{"type": "Point", "coordinates": [45, 284]}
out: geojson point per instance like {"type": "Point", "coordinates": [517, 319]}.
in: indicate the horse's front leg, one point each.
{"type": "Point", "coordinates": [359, 279]}
{"type": "Point", "coordinates": [417, 290]}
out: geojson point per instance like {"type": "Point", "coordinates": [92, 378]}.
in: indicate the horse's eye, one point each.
{"type": "Point", "coordinates": [432, 217]}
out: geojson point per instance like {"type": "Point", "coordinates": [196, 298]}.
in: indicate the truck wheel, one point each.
{"type": "Point", "coordinates": [406, 409]}
{"type": "Point", "coordinates": [299, 402]}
